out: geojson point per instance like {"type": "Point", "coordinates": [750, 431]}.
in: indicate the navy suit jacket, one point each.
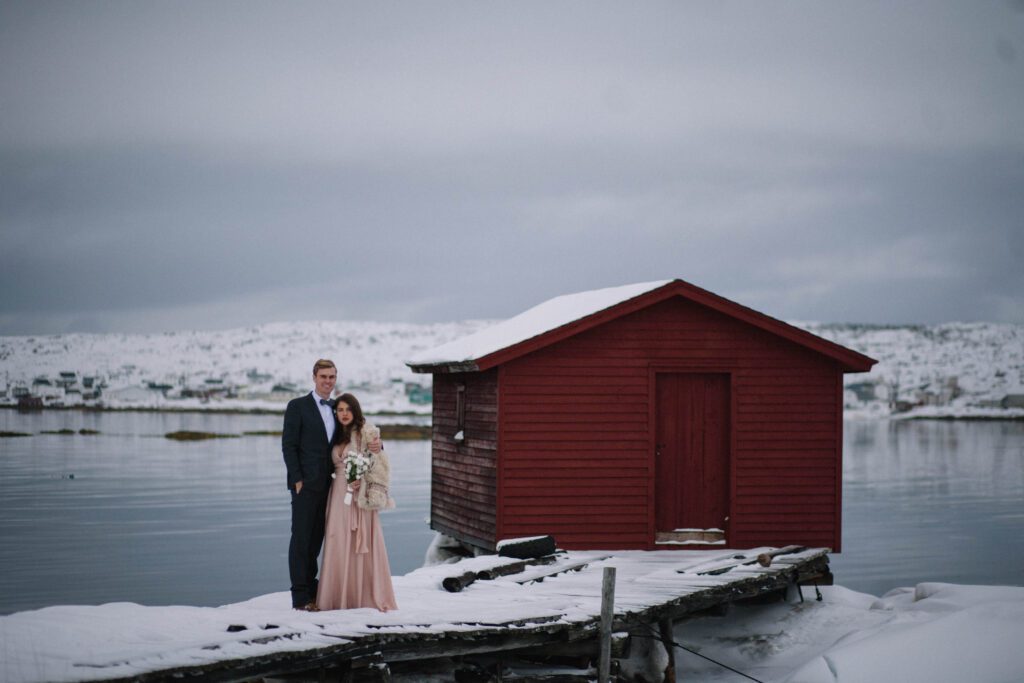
{"type": "Point", "coordinates": [307, 453]}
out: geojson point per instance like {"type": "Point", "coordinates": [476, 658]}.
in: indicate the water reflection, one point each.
{"type": "Point", "coordinates": [932, 501]}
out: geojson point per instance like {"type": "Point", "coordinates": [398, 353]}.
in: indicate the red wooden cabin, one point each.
{"type": "Point", "coordinates": [639, 417]}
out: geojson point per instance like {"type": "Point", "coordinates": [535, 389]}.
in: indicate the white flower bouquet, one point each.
{"type": "Point", "coordinates": [356, 464]}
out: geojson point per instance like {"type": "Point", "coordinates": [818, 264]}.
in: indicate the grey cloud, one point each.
{"type": "Point", "coordinates": [198, 165]}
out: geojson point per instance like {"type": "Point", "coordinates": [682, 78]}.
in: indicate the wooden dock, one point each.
{"type": "Point", "coordinates": [550, 609]}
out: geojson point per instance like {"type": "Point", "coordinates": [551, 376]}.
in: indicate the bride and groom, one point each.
{"type": "Point", "coordinates": [326, 443]}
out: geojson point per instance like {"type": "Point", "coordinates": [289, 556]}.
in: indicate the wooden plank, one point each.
{"type": "Point", "coordinates": [480, 500]}
{"type": "Point", "coordinates": [520, 501]}
{"type": "Point", "coordinates": [584, 433]}
{"type": "Point", "coordinates": [579, 454]}
{"type": "Point", "coordinates": [464, 508]}
{"type": "Point", "coordinates": [580, 528]}
{"type": "Point", "coordinates": [447, 450]}
{"type": "Point", "coordinates": [797, 488]}
{"type": "Point", "coordinates": [463, 515]}
{"type": "Point", "coordinates": [778, 453]}
{"type": "Point", "coordinates": [471, 458]}
{"type": "Point", "coordinates": [630, 521]}
{"type": "Point", "coordinates": [776, 527]}
{"type": "Point", "coordinates": [457, 480]}
{"type": "Point", "coordinates": [540, 441]}
{"type": "Point", "coordinates": [782, 465]}
{"type": "Point", "coordinates": [599, 384]}
{"type": "Point", "coordinates": [786, 444]}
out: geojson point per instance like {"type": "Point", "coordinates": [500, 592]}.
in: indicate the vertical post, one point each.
{"type": "Point", "coordinates": [665, 630]}
{"type": "Point", "coordinates": [604, 664]}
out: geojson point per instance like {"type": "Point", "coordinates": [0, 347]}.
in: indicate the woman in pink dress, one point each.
{"type": "Point", "coordinates": [355, 570]}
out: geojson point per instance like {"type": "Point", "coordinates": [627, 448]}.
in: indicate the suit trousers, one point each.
{"type": "Point", "coordinates": [309, 508]}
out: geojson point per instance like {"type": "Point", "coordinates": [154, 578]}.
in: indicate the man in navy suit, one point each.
{"type": "Point", "coordinates": [306, 442]}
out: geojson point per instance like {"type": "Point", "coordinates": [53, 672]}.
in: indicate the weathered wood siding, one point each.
{"type": "Point", "coordinates": [576, 431]}
{"type": "Point", "coordinates": [463, 487]}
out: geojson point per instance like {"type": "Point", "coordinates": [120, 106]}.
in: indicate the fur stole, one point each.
{"type": "Point", "coordinates": [374, 492]}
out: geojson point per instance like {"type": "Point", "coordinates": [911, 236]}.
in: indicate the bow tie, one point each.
{"type": "Point", "coordinates": [325, 402]}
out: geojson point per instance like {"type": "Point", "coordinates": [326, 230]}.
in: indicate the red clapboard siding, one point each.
{"type": "Point", "coordinates": [463, 500]}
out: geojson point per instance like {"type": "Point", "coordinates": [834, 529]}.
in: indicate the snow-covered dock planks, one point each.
{"type": "Point", "coordinates": [264, 637]}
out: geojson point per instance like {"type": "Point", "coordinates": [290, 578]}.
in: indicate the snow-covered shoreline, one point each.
{"type": "Point", "coordinates": [949, 371]}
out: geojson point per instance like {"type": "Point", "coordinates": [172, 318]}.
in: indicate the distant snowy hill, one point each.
{"type": "Point", "coordinates": [252, 367]}
{"type": "Point", "coordinates": [951, 369]}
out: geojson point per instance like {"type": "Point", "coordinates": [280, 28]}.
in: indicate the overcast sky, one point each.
{"type": "Point", "coordinates": [173, 165]}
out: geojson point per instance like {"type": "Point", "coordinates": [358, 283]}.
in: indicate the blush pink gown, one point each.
{"type": "Point", "coordinates": [355, 570]}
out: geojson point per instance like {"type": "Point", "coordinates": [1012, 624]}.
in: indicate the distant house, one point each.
{"type": "Point", "coordinates": [30, 402]}
{"type": "Point", "coordinates": [1012, 401]}
{"type": "Point", "coordinates": [66, 379]}
{"type": "Point", "coordinates": [646, 416]}
{"type": "Point", "coordinates": [419, 394]}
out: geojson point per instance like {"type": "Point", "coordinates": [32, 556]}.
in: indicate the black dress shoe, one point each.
{"type": "Point", "coordinates": [308, 607]}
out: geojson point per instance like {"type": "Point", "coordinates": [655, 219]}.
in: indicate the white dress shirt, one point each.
{"type": "Point", "coordinates": [327, 413]}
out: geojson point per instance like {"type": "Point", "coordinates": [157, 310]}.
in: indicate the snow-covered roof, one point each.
{"type": "Point", "coordinates": [551, 314]}
{"type": "Point", "coordinates": [569, 314]}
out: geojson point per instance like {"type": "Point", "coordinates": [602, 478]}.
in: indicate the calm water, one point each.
{"type": "Point", "coordinates": [150, 520]}
{"type": "Point", "coordinates": [155, 521]}
{"type": "Point", "coordinates": [931, 501]}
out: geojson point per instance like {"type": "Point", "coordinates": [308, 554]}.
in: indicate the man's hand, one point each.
{"type": "Point", "coordinates": [375, 446]}
{"type": "Point", "coordinates": [298, 487]}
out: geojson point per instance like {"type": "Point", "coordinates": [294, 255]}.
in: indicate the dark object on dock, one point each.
{"type": "Point", "coordinates": [575, 567]}
{"type": "Point", "coordinates": [454, 584]}
{"type": "Point", "coordinates": [88, 432]}
{"type": "Point", "coordinates": [723, 565]}
{"type": "Point", "coordinates": [5, 435]}
{"type": "Point", "coordinates": [62, 432]}
{"type": "Point", "coordinates": [526, 548]}
{"type": "Point", "coordinates": [513, 568]}
{"type": "Point", "coordinates": [765, 559]}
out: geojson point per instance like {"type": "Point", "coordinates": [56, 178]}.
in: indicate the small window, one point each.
{"type": "Point", "coordinates": [460, 413]}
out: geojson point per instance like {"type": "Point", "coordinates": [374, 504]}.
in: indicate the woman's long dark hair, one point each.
{"type": "Point", "coordinates": [343, 434]}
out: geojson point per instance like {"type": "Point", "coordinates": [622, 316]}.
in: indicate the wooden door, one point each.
{"type": "Point", "coordinates": [692, 456]}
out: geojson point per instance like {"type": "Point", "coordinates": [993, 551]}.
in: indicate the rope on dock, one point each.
{"type": "Point", "coordinates": [669, 642]}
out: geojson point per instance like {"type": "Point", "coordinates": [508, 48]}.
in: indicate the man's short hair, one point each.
{"type": "Point", "coordinates": [323, 363]}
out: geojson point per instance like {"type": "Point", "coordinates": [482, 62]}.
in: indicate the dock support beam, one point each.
{"type": "Point", "coordinates": [665, 631]}
{"type": "Point", "coordinates": [605, 633]}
